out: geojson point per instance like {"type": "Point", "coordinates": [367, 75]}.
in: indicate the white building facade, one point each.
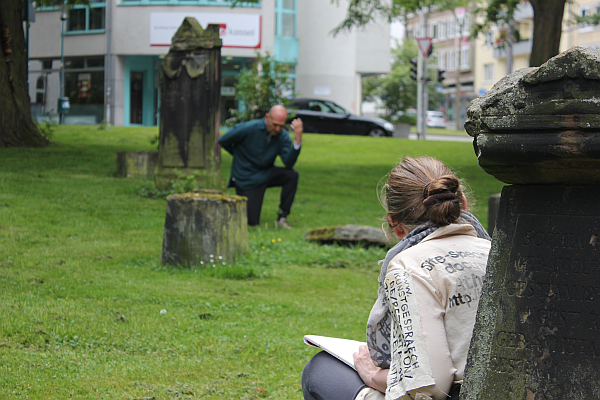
{"type": "Point", "coordinates": [112, 52]}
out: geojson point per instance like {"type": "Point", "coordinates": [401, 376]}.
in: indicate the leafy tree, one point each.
{"type": "Point", "coordinates": [397, 90]}
{"type": "Point", "coordinates": [547, 18]}
{"type": "Point", "coordinates": [261, 87]}
{"type": "Point", "coordinates": [547, 24]}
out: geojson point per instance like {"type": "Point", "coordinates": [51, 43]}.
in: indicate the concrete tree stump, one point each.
{"type": "Point", "coordinates": [136, 164]}
{"type": "Point", "coordinates": [537, 334]}
{"type": "Point", "coordinates": [204, 225]}
{"type": "Point", "coordinates": [191, 107]}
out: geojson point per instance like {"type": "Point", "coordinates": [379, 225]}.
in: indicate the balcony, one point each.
{"type": "Point", "coordinates": [520, 48]}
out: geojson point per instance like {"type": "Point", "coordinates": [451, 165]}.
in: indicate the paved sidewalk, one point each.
{"type": "Point", "coordinates": [443, 138]}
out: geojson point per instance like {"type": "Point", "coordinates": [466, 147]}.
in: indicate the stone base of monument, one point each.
{"type": "Point", "coordinates": [349, 235]}
{"type": "Point", "coordinates": [537, 334]}
{"type": "Point", "coordinates": [136, 164]}
{"type": "Point", "coordinates": [205, 178]}
{"type": "Point", "coordinates": [204, 226]}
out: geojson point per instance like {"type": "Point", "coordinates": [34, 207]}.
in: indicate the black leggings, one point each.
{"type": "Point", "coordinates": [327, 378]}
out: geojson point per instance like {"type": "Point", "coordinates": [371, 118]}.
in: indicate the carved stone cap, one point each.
{"type": "Point", "coordinates": [542, 125]}
{"type": "Point", "coordinates": [191, 36]}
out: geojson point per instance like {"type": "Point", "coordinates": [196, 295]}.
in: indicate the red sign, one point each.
{"type": "Point", "coordinates": [424, 45]}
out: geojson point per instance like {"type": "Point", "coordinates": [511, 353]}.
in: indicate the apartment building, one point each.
{"type": "Point", "coordinates": [480, 63]}
{"type": "Point", "coordinates": [112, 50]}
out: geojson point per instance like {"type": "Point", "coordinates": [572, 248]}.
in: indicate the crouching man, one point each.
{"type": "Point", "coordinates": [254, 146]}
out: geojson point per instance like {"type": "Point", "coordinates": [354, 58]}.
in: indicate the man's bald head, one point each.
{"type": "Point", "coordinates": [275, 119]}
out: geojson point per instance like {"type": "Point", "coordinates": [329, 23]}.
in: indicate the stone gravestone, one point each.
{"type": "Point", "coordinates": [204, 228]}
{"type": "Point", "coordinates": [190, 107]}
{"type": "Point", "coordinates": [537, 334]}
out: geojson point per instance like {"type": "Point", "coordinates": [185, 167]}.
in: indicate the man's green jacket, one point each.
{"type": "Point", "coordinates": [254, 152]}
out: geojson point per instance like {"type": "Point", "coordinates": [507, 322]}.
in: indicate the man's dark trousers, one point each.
{"type": "Point", "coordinates": [287, 178]}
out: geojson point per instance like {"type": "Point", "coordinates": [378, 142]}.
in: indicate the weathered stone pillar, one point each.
{"type": "Point", "coordinates": [537, 334]}
{"type": "Point", "coordinates": [190, 107]}
{"type": "Point", "coordinates": [204, 226]}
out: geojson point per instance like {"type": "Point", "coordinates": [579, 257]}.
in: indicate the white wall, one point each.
{"type": "Point", "coordinates": [333, 64]}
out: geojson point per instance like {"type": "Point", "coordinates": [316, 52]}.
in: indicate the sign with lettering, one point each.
{"type": "Point", "coordinates": [236, 30]}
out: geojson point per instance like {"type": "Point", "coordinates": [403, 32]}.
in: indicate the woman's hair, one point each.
{"type": "Point", "coordinates": [423, 189]}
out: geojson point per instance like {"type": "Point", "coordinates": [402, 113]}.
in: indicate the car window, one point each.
{"type": "Point", "coordinates": [318, 106]}
{"type": "Point", "coordinates": [335, 108]}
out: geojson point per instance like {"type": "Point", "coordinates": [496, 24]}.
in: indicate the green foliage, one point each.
{"type": "Point", "coordinates": [148, 190]}
{"type": "Point", "coordinates": [397, 90]}
{"type": "Point", "coordinates": [363, 12]}
{"type": "Point", "coordinates": [89, 311]}
{"type": "Point", "coordinates": [592, 19]}
{"type": "Point", "coordinates": [103, 125]}
{"type": "Point", "coordinates": [261, 87]}
{"type": "Point", "coordinates": [46, 128]}
{"type": "Point", "coordinates": [185, 183]}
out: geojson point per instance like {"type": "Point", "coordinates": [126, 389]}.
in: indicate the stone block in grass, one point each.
{"type": "Point", "coordinates": [136, 164]}
{"type": "Point", "coordinates": [349, 235]}
{"type": "Point", "coordinates": [204, 228]}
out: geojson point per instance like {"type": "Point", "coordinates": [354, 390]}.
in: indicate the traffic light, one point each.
{"type": "Point", "coordinates": [440, 75]}
{"type": "Point", "coordinates": [413, 69]}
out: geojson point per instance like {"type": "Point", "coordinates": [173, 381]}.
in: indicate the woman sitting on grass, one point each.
{"type": "Point", "coordinates": [419, 329]}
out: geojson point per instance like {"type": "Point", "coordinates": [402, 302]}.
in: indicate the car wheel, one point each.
{"type": "Point", "coordinates": [376, 132]}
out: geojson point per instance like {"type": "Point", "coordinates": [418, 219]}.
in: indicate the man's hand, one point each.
{"type": "Point", "coordinates": [298, 129]}
{"type": "Point", "coordinates": [371, 375]}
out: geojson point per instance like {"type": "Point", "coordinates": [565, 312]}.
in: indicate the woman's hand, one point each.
{"type": "Point", "coordinates": [371, 375]}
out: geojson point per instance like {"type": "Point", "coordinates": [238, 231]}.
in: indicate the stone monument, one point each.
{"type": "Point", "coordinates": [190, 107]}
{"type": "Point", "coordinates": [537, 334]}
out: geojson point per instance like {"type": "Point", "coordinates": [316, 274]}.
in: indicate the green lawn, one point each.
{"type": "Point", "coordinates": [88, 311]}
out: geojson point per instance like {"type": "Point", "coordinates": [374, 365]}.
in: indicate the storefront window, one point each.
{"type": "Point", "coordinates": [84, 85]}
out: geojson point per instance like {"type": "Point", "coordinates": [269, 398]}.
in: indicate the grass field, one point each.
{"type": "Point", "coordinates": [88, 311]}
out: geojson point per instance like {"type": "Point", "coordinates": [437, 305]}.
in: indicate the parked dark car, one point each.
{"type": "Point", "coordinates": [324, 116]}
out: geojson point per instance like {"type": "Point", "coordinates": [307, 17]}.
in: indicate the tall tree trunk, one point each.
{"type": "Point", "coordinates": [16, 126]}
{"type": "Point", "coordinates": [547, 28]}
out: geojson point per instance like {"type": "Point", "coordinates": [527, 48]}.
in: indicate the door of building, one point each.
{"type": "Point", "coordinates": [136, 110]}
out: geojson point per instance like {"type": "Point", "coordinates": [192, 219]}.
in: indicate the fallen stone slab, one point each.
{"type": "Point", "coordinates": [349, 235]}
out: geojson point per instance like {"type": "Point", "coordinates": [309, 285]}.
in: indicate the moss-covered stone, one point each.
{"type": "Point", "coordinates": [204, 228]}
{"type": "Point", "coordinates": [348, 235]}
{"type": "Point", "coordinates": [542, 125]}
{"type": "Point", "coordinates": [136, 164]}
{"type": "Point", "coordinates": [190, 107]}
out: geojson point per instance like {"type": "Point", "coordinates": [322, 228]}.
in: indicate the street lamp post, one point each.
{"type": "Point", "coordinates": [63, 18]}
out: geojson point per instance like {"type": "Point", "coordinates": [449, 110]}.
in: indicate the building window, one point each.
{"type": "Point", "coordinates": [451, 28]}
{"type": "Point", "coordinates": [443, 59]}
{"type": "Point", "coordinates": [451, 60]}
{"type": "Point", "coordinates": [465, 53]}
{"type": "Point", "coordinates": [488, 72]}
{"type": "Point", "coordinates": [285, 18]}
{"type": "Point", "coordinates": [442, 34]}
{"type": "Point", "coordinates": [434, 31]}
{"type": "Point", "coordinates": [226, 3]}
{"type": "Point", "coordinates": [83, 18]}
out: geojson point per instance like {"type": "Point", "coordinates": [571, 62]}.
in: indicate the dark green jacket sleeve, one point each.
{"type": "Point", "coordinates": [233, 136]}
